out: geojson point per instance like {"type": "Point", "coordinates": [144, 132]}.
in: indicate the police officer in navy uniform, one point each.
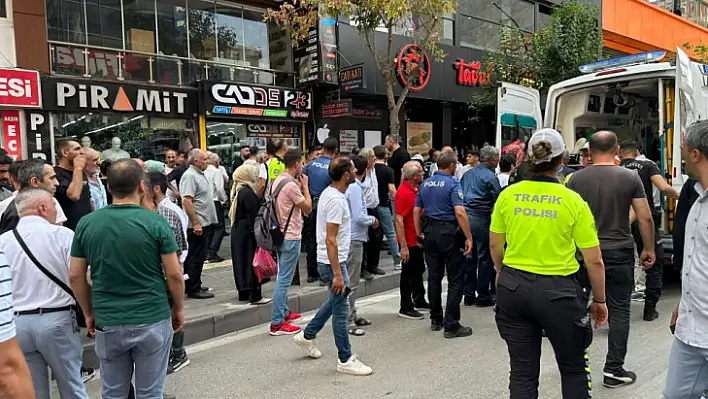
{"type": "Point", "coordinates": [443, 228]}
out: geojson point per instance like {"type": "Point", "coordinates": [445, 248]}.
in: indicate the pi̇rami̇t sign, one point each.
{"type": "Point", "coordinates": [470, 74]}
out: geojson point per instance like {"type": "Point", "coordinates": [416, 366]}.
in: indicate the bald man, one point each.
{"type": "Point", "coordinates": [458, 171]}
{"type": "Point", "coordinates": [99, 197]}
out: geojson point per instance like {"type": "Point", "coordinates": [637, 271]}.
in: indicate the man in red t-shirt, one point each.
{"type": "Point", "coordinates": [413, 263]}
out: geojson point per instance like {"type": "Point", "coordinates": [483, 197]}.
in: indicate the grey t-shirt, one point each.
{"type": "Point", "coordinates": [609, 190]}
{"type": "Point", "coordinates": [195, 185]}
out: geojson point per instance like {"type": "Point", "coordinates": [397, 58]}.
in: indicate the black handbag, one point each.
{"type": "Point", "coordinates": [81, 321]}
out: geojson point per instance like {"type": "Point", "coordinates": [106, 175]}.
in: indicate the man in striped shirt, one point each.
{"type": "Point", "coordinates": [15, 379]}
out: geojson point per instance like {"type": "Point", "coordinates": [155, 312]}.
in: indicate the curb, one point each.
{"type": "Point", "coordinates": [205, 328]}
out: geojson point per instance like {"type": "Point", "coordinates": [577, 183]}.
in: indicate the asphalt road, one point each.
{"type": "Point", "coordinates": [408, 359]}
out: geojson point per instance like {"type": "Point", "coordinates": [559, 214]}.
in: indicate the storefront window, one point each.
{"type": "Point", "coordinates": [103, 19]}
{"type": "Point", "coordinates": [3, 9]}
{"type": "Point", "coordinates": [202, 30]}
{"type": "Point", "coordinates": [140, 136]}
{"type": "Point", "coordinates": [226, 138]}
{"type": "Point", "coordinates": [66, 21]}
{"type": "Point", "coordinates": [167, 41]}
{"type": "Point", "coordinates": [477, 33]}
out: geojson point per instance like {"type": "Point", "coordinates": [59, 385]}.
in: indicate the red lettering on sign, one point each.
{"type": "Point", "coordinates": [470, 74]}
{"type": "Point", "coordinates": [11, 133]}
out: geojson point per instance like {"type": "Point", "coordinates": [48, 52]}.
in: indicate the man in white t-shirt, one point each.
{"type": "Point", "coordinates": [333, 239]}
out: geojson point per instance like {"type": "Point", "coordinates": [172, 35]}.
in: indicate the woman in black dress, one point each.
{"type": "Point", "coordinates": [244, 207]}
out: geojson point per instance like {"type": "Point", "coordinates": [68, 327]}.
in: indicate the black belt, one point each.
{"type": "Point", "coordinates": [40, 311]}
{"type": "Point", "coordinates": [534, 276]}
{"type": "Point", "coordinates": [438, 222]}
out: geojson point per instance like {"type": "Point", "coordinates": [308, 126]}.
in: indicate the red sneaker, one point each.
{"type": "Point", "coordinates": [284, 329]}
{"type": "Point", "coordinates": [292, 316]}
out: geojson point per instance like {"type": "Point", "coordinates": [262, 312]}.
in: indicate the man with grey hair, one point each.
{"type": "Point", "coordinates": [198, 203]}
{"type": "Point", "coordinates": [480, 188]}
{"type": "Point", "coordinates": [688, 360]}
{"type": "Point", "coordinates": [216, 181]}
{"type": "Point", "coordinates": [413, 262]}
{"type": "Point", "coordinates": [44, 305]}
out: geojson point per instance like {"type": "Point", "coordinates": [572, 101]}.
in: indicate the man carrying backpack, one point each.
{"type": "Point", "coordinates": [291, 199]}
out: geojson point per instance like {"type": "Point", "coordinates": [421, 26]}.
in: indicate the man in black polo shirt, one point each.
{"type": "Point", "coordinates": [398, 158]}
{"type": "Point", "coordinates": [650, 176]}
{"type": "Point", "coordinates": [73, 192]}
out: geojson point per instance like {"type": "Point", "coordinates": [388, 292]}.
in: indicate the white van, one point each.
{"type": "Point", "coordinates": [635, 96]}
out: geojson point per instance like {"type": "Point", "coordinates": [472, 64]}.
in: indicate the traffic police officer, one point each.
{"type": "Point", "coordinates": [446, 238]}
{"type": "Point", "coordinates": [541, 222]}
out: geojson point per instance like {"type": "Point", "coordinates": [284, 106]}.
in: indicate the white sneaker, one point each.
{"type": "Point", "coordinates": [397, 266]}
{"type": "Point", "coordinates": [354, 367]}
{"type": "Point", "coordinates": [263, 301]}
{"type": "Point", "coordinates": [307, 345]}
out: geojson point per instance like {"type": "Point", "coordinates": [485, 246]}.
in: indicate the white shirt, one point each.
{"type": "Point", "coordinates": [182, 218]}
{"type": "Point", "coordinates": [503, 179]}
{"type": "Point", "coordinates": [170, 193]}
{"type": "Point", "coordinates": [51, 245]}
{"type": "Point", "coordinates": [222, 169]}
{"type": "Point", "coordinates": [7, 317]}
{"type": "Point", "coordinates": [216, 179]}
{"type": "Point", "coordinates": [333, 208]}
{"type": "Point", "coordinates": [61, 218]}
{"type": "Point", "coordinates": [371, 190]}
{"type": "Point", "coordinates": [459, 170]}
{"type": "Point", "coordinates": [692, 323]}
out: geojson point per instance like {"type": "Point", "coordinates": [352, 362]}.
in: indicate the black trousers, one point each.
{"type": "Point", "coordinates": [528, 303]}
{"type": "Point", "coordinates": [655, 275]}
{"type": "Point", "coordinates": [619, 283]}
{"type": "Point", "coordinates": [411, 286]}
{"type": "Point", "coordinates": [372, 248]}
{"type": "Point", "coordinates": [194, 264]}
{"type": "Point", "coordinates": [444, 250]}
{"type": "Point", "coordinates": [310, 241]}
{"type": "Point", "coordinates": [218, 233]}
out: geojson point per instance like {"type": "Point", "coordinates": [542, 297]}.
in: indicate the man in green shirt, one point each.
{"type": "Point", "coordinates": [131, 252]}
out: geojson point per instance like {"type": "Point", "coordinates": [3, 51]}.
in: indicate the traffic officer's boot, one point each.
{"type": "Point", "coordinates": [650, 312]}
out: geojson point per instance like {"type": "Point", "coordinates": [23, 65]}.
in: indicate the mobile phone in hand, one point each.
{"type": "Point", "coordinates": [672, 327]}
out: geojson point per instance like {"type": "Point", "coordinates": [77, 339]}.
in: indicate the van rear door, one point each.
{"type": "Point", "coordinates": [517, 106]}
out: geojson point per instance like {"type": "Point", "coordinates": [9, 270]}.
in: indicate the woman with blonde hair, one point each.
{"type": "Point", "coordinates": [245, 204]}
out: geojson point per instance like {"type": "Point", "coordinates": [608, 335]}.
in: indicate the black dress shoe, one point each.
{"type": "Point", "coordinates": [469, 300]}
{"type": "Point", "coordinates": [367, 276]}
{"type": "Point", "coordinates": [312, 279]}
{"type": "Point", "coordinates": [435, 326]}
{"type": "Point", "coordinates": [484, 303]}
{"type": "Point", "coordinates": [214, 259]}
{"type": "Point", "coordinates": [378, 271]}
{"type": "Point", "coordinates": [200, 295]}
{"type": "Point", "coordinates": [205, 289]}
{"type": "Point", "coordinates": [459, 332]}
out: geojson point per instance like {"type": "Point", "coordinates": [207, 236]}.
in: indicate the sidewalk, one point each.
{"type": "Point", "coordinates": [209, 318]}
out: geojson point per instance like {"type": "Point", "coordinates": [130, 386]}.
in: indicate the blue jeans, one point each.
{"type": "Point", "coordinates": [386, 222]}
{"type": "Point", "coordinates": [479, 271]}
{"type": "Point", "coordinates": [288, 255]}
{"type": "Point", "coordinates": [52, 339]}
{"type": "Point", "coordinates": [143, 346]}
{"type": "Point", "coordinates": [336, 306]}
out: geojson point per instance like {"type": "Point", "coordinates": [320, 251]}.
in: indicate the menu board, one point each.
{"type": "Point", "coordinates": [348, 140]}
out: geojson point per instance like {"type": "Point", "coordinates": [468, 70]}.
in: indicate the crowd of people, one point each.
{"type": "Point", "coordinates": [65, 230]}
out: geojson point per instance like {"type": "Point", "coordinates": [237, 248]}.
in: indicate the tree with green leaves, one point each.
{"type": "Point", "coordinates": [419, 20]}
{"type": "Point", "coordinates": [548, 56]}
{"type": "Point", "coordinates": [700, 51]}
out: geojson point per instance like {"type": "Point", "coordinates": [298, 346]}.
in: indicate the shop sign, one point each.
{"type": "Point", "coordinates": [246, 100]}
{"type": "Point", "coordinates": [20, 88]}
{"type": "Point", "coordinates": [470, 74]}
{"type": "Point", "coordinates": [11, 133]}
{"type": "Point", "coordinates": [316, 57]}
{"type": "Point", "coordinates": [79, 95]}
{"type": "Point", "coordinates": [39, 140]}
{"type": "Point", "coordinates": [336, 109]}
{"type": "Point", "coordinates": [72, 60]}
{"type": "Point", "coordinates": [367, 113]}
{"type": "Point", "coordinates": [352, 78]}
{"type": "Point", "coordinates": [413, 64]}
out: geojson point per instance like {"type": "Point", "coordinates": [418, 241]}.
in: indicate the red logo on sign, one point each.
{"type": "Point", "coordinates": [470, 74]}
{"type": "Point", "coordinates": [20, 88]}
{"type": "Point", "coordinates": [11, 133]}
{"type": "Point", "coordinates": [413, 63]}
